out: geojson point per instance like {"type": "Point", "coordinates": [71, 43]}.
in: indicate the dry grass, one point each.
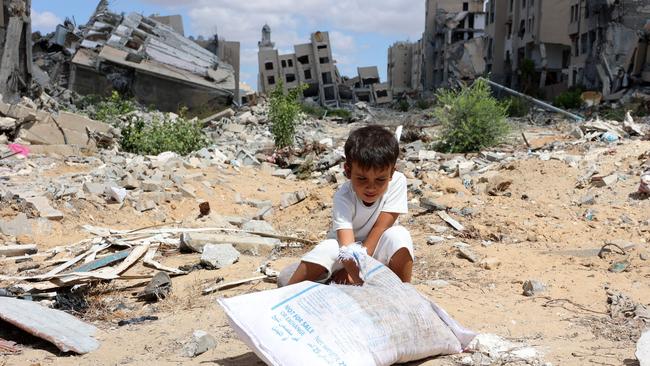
{"type": "Point", "coordinates": [187, 298]}
{"type": "Point", "coordinates": [102, 298]}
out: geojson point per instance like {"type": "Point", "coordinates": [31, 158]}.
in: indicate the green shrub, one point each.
{"type": "Point", "coordinates": [312, 110]}
{"type": "Point", "coordinates": [569, 99]}
{"type": "Point", "coordinates": [616, 114]}
{"type": "Point", "coordinates": [471, 118]}
{"type": "Point", "coordinates": [283, 114]}
{"type": "Point", "coordinates": [110, 109]}
{"type": "Point", "coordinates": [341, 113]}
{"type": "Point", "coordinates": [423, 104]}
{"type": "Point", "coordinates": [180, 135]}
{"type": "Point", "coordinates": [518, 107]}
{"type": "Point", "coordinates": [403, 105]}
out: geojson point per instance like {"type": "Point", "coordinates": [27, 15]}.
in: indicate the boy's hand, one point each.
{"type": "Point", "coordinates": [343, 278]}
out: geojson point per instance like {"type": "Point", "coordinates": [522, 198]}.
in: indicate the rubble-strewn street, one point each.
{"type": "Point", "coordinates": [565, 213]}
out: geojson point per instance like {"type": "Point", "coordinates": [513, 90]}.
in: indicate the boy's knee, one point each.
{"type": "Point", "coordinates": [398, 234]}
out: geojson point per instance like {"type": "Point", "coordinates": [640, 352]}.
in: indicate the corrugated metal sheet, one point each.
{"type": "Point", "coordinates": [63, 330]}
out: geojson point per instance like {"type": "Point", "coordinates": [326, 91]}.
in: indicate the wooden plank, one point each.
{"type": "Point", "coordinates": [224, 286]}
{"type": "Point", "coordinates": [150, 262]}
{"type": "Point", "coordinates": [449, 220]}
{"type": "Point", "coordinates": [17, 250]}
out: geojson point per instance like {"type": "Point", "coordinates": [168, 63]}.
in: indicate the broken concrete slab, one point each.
{"type": "Point", "coordinates": [252, 245]}
{"type": "Point", "coordinates": [282, 173]}
{"type": "Point", "coordinates": [19, 225]}
{"type": "Point", "coordinates": [217, 256]}
{"type": "Point", "coordinates": [264, 213]}
{"type": "Point", "coordinates": [63, 330]}
{"type": "Point", "coordinates": [42, 205]}
{"type": "Point", "coordinates": [258, 226]}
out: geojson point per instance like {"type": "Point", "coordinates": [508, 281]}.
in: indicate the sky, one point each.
{"type": "Point", "coordinates": [360, 30]}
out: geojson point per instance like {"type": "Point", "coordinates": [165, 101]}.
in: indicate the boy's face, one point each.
{"type": "Point", "coordinates": [370, 184]}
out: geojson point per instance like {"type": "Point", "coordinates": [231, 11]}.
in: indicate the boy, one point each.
{"type": "Point", "coordinates": [365, 210]}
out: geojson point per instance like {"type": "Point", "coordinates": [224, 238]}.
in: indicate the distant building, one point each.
{"type": "Point", "coordinates": [453, 41]}
{"type": "Point", "coordinates": [405, 67]}
{"type": "Point", "coordinates": [311, 64]}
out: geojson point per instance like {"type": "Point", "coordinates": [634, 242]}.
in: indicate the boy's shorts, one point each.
{"type": "Point", "coordinates": [392, 240]}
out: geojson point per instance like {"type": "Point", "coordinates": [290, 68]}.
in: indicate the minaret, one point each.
{"type": "Point", "coordinates": [266, 43]}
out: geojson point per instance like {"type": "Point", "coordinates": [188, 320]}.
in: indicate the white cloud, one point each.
{"type": "Point", "coordinates": [45, 22]}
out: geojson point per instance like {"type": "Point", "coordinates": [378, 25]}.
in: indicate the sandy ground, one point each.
{"type": "Point", "coordinates": [536, 232]}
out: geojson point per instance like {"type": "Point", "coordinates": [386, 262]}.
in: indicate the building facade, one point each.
{"type": "Point", "coordinates": [404, 67]}
{"type": "Point", "coordinates": [311, 64]}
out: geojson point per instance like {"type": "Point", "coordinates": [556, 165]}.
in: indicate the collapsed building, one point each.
{"type": "Point", "coordinates": [139, 56]}
{"type": "Point", "coordinates": [609, 44]}
{"type": "Point", "coordinates": [15, 48]}
{"type": "Point", "coordinates": [453, 42]}
{"type": "Point", "coordinates": [366, 87]}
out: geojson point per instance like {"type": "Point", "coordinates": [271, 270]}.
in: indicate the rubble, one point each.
{"type": "Point", "coordinates": [533, 287]}
{"type": "Point", "coordinates": [61, 329]}
{"type": "Point", "coordinates": [200, 343]}
{"type": "Point", "coordinates": [219, 256]}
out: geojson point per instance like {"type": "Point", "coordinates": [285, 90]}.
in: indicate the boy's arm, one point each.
{"type": "Point", "coordinates": [384, 222]}
{"type": "Point", "coordinates": [345, 237]}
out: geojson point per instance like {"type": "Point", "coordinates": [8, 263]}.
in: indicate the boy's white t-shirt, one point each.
{"type": "Point", "coordinates": [349, 212]}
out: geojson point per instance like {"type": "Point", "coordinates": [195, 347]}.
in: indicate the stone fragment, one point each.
{"type": "Point", "coordinates": [187, 191]}
{"type": "Point", "coordinates": [217, 256]}
{"type": "Point", "coordinates": [158, 288]}
{"type": "Point", "coordinates": [429, 204]}
{"type": "Point", "coordinates": [145, 205]}
{"type": "Point", "coordinates": [200, 342]}
{"type": "Point", "coordinates": [426, 155]}
{"type": "Point", "coordinates": [489, 263]}
{"type": "Point", "coordinates": [116, 194]}
{"type": "Point", "coordinates": [467, 253]}
{"type": "Point", "coordinates": [533, 287]}
{"type": "Point", "coordinates": [258, 226]}
{"type": "Point", "coordinates": [17, 226]}
{"type": "Point", "coordinates": [42, 205]}
{"type": "Point", "coordinates": [439, 229]}
{"type": "Point", "coordinates": [433, 240]}
{"type": "Point", "coordinates": [246, 158]}
{"type": "Point", "coordinates": [436, 284]}
{"type": "Point", "coordinates": [282, 173]}
{"type": "Point", "coordinates": [292, 198]}
{"type": "Point", "coordinates": [129, 182]}
{"type": "Point", "coordinates": [264, 213]}
{"type": "Point", "coordinates": [150, 185]}
{"type": "Point", "coordinates": [94, 188]}
{"type": "Point", "coordinates": [7, 123]}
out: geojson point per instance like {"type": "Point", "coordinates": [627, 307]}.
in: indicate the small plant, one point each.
{"type": "Point", "coordinates": [518, 107]}
{"type": "Point", "coordinates": [403, 105]}
{"type": "Point", "coordinates": [341, 113]}
{"type": "Point", "coordinates": [569, 99]}
{"type": "Point", "coordinates": [312, 110]}
{"type": "Point", "coordinates": [112, 108]}
{"type": "Point", "coordinates": [179, 135]}
{"type": "Point", "coordinates": [423, 104]}
{"type": "Point", "coordinates": [471, 118]}
{"type": "Point", "coordinates": [283, 113]}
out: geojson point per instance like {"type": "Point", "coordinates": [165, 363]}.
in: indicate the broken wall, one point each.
{"type": "Point", "coordinates": [15, 48]}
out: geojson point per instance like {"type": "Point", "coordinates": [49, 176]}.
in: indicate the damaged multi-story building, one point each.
{"type": "Point", "coordinates": [15, 48]}
{"type": "Point", "coordinates": [609, 44]}
{"type": "Point", "coordinates": [140, 56]}
{"type": "Point", "coordinates": [404, 69]}
{"type": "Point", "coordinates": [528, 44]}
{"type": "Point", "coordinates": [453, 42]}
{"type": "Point", "coordinates": [311, 64]}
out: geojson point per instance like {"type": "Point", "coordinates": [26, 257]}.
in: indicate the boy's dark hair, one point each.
{"type": "Point", "coordinates": [371, 147]}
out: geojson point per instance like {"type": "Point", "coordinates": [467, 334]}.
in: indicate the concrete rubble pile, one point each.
{"type": "Point", "coordinates": [618, 32]}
